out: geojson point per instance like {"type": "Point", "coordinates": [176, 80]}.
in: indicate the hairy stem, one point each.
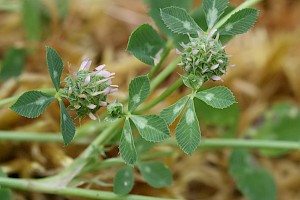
{"type": "Point", "coordinates": [242, 143]}
{"type": "Point", "coordinates": [164, 54]}
{"type": "Point", "coordinates": [31, 185]}
{"type": "Point", "coordinates": [164, 95]}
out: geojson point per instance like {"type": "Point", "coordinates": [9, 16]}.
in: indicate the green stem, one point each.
{"type": "Point", "coordinates": [165, 53]}
{"type": "Point", "coordinates": [246, 4]}
{"type": "Point", "coordinates": [164, 95]}
{"type": "Point", "coordinates": [243, 143]}
{"type": "Point", "coordinates": [30, 185]}
{"type": "Point", "coordinates": [3, 102]}
{"type": "Point", "coordinates": [164, 74]}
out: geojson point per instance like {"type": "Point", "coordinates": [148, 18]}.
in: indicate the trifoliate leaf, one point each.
{"type": "Point", "coordinates": [127, 147]}
{"type": "Point", "coordinates": [55, 66]}
{"type": "Point", "coordinates": [67, 125]}
{"type": "Point", "coordinates": [170, 113]}
{"type": "Point", "coordinates": [253, 181]}
{"type": "Point", "coordinates": [139, 89]}
{"type": "Point", "coordinates": [146, 44]}
{"type": "Point", "coordinates": [155, 174]}
{"type": "Point", "coordinates": [123, 181]}
{"type": "Point", "coordinates": [13, 63]}
{"type": "Point", "coordinates": [213, 9]}
{"type": "Point", "coordinates": [188, 129]}
{"type": "Point", "coordinates": [217, 97]}
{"type": "Point", "coordinates": [32, 19]}
{"type": "Point", "coordinates": [32, 104]}
{"type": "Point", "coordinates": [142, 145]}
{"type": "Point", "coordinates": [179, 21]}
{"type": "Point", "coordinates": [151, 127]}
{"type": "Point", "coordinates": [240, 22]}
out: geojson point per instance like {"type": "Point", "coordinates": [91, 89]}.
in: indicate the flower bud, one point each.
{"type": "Point", "coordinates": [204, 58]}
{"type": "Point", "coordinates": [87, 91]}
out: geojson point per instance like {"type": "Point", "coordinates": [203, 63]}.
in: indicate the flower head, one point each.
{"type": "Point", "coordinates": [87, 91]}
{"type": "Point", "coordinates": [204, 57]}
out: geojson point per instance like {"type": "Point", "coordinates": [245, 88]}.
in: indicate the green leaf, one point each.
{"type": "Point", "coordinates": [179, 21]}
{"type": "Point", "coordinates": [146, 44]}
{"type": "Point", "coordinates": [223, 122]}
{"type": "Point", "coordinates": [123, 181]}
{"type": "Point", "coordinates": [281, 123]}
{"type": "Point", "coordinates": [151, 127]}
{"type": "Point", "coordinates": [55, 66]}
{"type": "Point", "coordinates": [127, 147]}
{"type": "Point", "coordinates": [5, 193]}
{"type": "Point", "coordinates": [254, 182]}
{"type": "Point", "coordinates": [142, 145]}
{"type": "Point", "coordinates": [155, 174]}
{"type": "Point", "coordinates": [32, 104]}
{"type": "Point", "coordinates": [67, 125]}
{"type": "Point", "coordinates": [240, 22]}
{"type": "Point", "coordinates": [32, 19]}
{"type": "Point", "coordinates": [188, 129]}
{"type": "Point", "coordinates": [170, 113]}
{"type": "Point", "coordinates": [157, 4]}
{"type": "Point", "coordinates": [139, 89]}
{"type": "Point", "coordinates": [13, 63]}
{"type": "Point", "coordinates": [213, 9]}
{"type": "Point", "coordinates": [199, 17]}
{"type": "Point", "coordinates": [217, 97]}
{"type": "Point", "coordinates": [154, 12]}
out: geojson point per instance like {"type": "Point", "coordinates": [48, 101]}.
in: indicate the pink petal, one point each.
{"type": "Point", "coordinates": [216, 78]}
{"type": "Point", "coordinates": [187, 68]}
{"type": "Point", "coordinates": [103, 103]}
{"type": "Point", "coordinates": [211, 33]}
{"type": "Point", "coordinates": [223, 71]}
{"type": "Point", "coordinates": [83, 96]}
{"type": "Point", "coordinates": [204, 70]}
{"type": "Point", "coordinates": [195, 51]}
{"type": "Point", "coordinates": [77, 107]}
{"type": "Point", "coordinates": [180, 64]}
{"type": "Point", "coordinates": [213, 52]}
{"type": "Point", "coordinates": [100, 67]}
{"type": "Point", "coordinates": [92, 116]}
{"type": "Point", "coordinates": [87, 80]}
{"type": "Point", "coordinates": [112, 90]}
{"type": "Point", "coordinates": [92, 106]}
{"type": "Point", "coordinates": [197, 62]}
{"type": "Point", "coordinates": [104, 73]}
{"type": "Point", "coordinates": [183, 45]}
{"type": "Point", "coordinates": [220, 61]}
{"type": "Point", "coordinates": [189, 59]}
{"type": "Point", "coordinates": [211, 43]}
{"type": "Point", "coordinates": [85, 65]}
{"type": "Point", "coordinates": [178, 52]}
{"type": "Point", "coordinates": [69, 91]}
{"type": "Point", "coordinates": [214, 67]}
{"type": "Point", "coordinates": [209, 59]}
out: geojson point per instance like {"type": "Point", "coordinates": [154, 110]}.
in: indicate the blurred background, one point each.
{"type": "Point", "coordinates": [265, 82]}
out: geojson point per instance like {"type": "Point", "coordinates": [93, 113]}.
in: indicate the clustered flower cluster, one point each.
{"type": "Point", "coordinates": [204, 57]}
{"type": "Point", "coordinates": [87, 91]}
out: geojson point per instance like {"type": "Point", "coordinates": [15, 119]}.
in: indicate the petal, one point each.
{"type": "Point", "coordinates": [216, 78]}
{"type": "Point", "coordinates": [112, 90]}
{"type": "Point", "coordinates": [204, 70]}
{"type": "Point", "coordinates": [209, 59]}
{"type": "Point", "coordinates": [195, 51]}
{"type": "Point", "coordinates": [83, 96]}
{"type": "Point", "coordinates": [92, 116]}
{"type": "Point", "coordinates": [103, 103]}
{"type": "Point", "coordinates": [214, 67]}
{"type": "Point", "coordinates": [85, 65]}
{"type": "Point", "coordinates": [199, 33]}
{"type": "Point", "coordinates": [77, 107]}
{"type": "Point", "coordinates": [187, 68]}
{"type": "Point", "coordinates": [100, 67]}
{"type": "Point", "coordinates": [92, 106]}
{"type": "Point", "coordinates": [220, 61]}
{"type": "Point", "coordinates": [211, 33]}
{"type": "Point", "coordinates": [104, 73]}
{"type": "Point", "coordinates": [87, 80]}
{"type": "Point", "coordinates": [178, 52]}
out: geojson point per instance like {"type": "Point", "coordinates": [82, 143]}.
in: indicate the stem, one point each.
{"type": "Point", "coordinates": [165, 53]}
{"type": "Point", "coordinates": [243, 143]}
{"type": "Point", "coordinates": [164, 74]}
{"type": "Point", "coordinates": [3, 102]}
{"type": "Point", "coordinates": [164, 95]}
{"type": "Point", "coordinates": [30, 185]}
{"type": "Point", "coordinates": [246, 4]}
